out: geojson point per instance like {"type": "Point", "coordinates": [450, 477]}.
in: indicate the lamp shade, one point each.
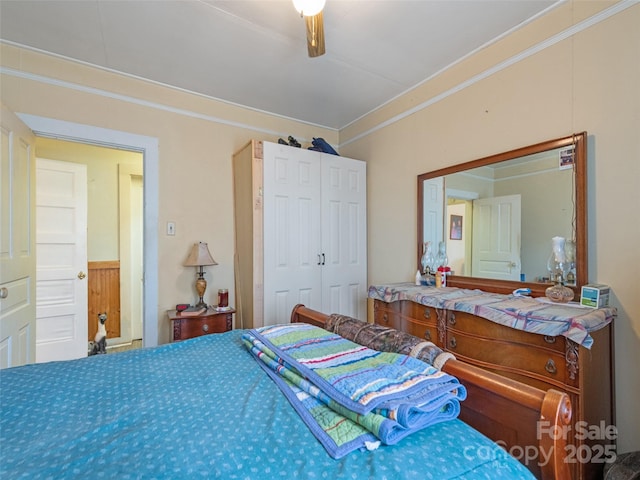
{"type": "Point", "coordinates": [199, 255]}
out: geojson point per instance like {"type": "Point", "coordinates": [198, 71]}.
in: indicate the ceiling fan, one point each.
{"type": "Point", "coordinates": [311, 10]}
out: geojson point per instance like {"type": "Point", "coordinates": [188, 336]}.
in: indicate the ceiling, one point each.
{"type": "Point", "coordinates": [253, 52]}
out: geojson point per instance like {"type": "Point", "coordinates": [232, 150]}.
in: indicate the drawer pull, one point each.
{"type": "Point", "coordinates": [427, 335]}
{"type": "Point", "coordinates": [385, 318]}
{"type": "Point", "coordinates": [453, 343]}
{"type": "Point", "coordinates": [452, 318]}
{"type": "Point", "coordinates": [427, 313]}
{"type": "Point", "coordinates": [549, 339]}
{"type": "Point", "coordinates": [205, 328]}
{"type": "Point", "coordinates": [551, 367]}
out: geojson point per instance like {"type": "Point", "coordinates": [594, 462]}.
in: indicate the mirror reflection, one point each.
{"type": "Point", "coordinates": [496, 217]}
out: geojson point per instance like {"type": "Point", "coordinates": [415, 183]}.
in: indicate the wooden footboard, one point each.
{"type": "Point", "coordinates": [527, 422]}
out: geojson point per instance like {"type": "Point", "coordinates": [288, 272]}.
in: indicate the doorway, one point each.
{"type": "Point", "coordinates": [148, 147]}
{"type": "Point", "coordinates": [114, 244]}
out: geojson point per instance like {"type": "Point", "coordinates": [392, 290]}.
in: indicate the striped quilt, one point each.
{"type": "Point", "coordinates": [350, 396]}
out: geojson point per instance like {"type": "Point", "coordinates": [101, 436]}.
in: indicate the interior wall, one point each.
{"type": "Point", "coordinates": [586, 82]}
{"type": "Point", "coordinates": [197, 137]}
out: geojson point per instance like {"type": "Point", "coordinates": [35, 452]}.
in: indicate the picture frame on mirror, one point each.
{"type": "Point", "coordinates": [455, 227]}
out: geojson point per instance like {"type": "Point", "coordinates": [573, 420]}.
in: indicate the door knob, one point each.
{"type": "Point", "coordinates": [4, 292]}
{"type": "Point", "coordinates": [81, 275]}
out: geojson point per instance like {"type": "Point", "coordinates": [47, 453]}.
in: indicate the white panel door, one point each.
{"type": "Point", "coordinates": [496, 238]}
{"type": "Point", "coordinates": [17, 242]}
{"type": "Point", "coordinates": [344, 236]}
{"type": "Point", "coordinates": [291, 231]}
{"type": "Point", "coordinates": [61, 212]}
{"type": "Point", "coordinates": [433, 212]}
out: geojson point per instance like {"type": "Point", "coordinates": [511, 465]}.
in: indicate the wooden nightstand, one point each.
{"type": "Point", "coordinates": [211, 321]}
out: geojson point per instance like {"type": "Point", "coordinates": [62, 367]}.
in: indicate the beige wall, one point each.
{"type": "Point", "coordinates": [586, 82]}
{"type": "Point", "coordinates": [196, 138]}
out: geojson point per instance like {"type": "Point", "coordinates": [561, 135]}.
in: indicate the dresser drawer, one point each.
{"type": "Point", "coordinates": [468, 323]}
{"type": "Point", "coordinates": [394, 315]}
{"type": "Point", "coordinates": [211, 321]}
{"type": "Point", "coordinates": [195, 327]}
{"type": "Point", "coordinates": [521, 359]}
{"type": "Point", "coordinates": [420, 312]}
{"type": "Point", "coordinates": [425, 330]}
{"type": "Point", "coordinates": [386, 317]}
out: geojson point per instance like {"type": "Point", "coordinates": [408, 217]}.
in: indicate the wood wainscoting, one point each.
{"type": "Point", "coordinates": [104, 296]}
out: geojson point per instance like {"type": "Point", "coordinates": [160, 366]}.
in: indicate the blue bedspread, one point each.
{"type": "Point", "coordinates": [201, 408]}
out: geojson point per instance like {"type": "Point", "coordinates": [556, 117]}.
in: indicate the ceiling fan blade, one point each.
{"type": "Point", "coordinates": [315, 35]}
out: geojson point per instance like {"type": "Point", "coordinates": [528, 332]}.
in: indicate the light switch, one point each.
{"type": "Point", "coordinates": [171, 228]}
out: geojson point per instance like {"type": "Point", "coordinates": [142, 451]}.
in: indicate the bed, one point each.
{"type": "Point", "coordinates": [203, 408]}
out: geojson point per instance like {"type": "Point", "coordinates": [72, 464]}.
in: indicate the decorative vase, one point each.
{"type": "Point", "coordinates": [558, 266]}
{"type": "Point", "coordinates": [427, 258]}
{"type": "Point", "coordinates": [441, 258]}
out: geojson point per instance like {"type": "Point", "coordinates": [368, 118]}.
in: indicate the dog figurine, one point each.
{"type": "Point", "coordinates": [100, 340]}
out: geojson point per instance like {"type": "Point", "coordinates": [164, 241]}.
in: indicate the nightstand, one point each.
{"type": "Point", "coordinates": [211, 321]}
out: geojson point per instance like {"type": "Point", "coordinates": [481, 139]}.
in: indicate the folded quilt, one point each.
{"type": "Point", "coordinates": [347, 393]}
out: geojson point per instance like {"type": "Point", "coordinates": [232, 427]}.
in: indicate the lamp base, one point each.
{"type": "Point", "coordinates": [201, 287]}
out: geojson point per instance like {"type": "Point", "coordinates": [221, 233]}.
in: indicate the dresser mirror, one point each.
{"type": "Point", "coordinates": [497, 215]}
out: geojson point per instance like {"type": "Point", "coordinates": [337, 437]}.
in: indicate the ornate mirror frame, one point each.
{"type": "Point", "coordinates": [579, 140]}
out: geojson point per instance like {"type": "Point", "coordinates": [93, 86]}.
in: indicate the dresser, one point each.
{"type": "Point", "coordinates": [184, 327]}
{"type": "Point", "coordinates": [543, 361]}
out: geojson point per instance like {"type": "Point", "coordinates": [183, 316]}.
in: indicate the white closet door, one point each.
{"type": "Point", "coordinates": [291, 231]}
{"type": "Point", "coordinates": [344, 236]}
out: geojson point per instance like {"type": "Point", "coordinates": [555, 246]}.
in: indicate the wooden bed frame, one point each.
{"type": "Point", "coordinates": [526, 421]}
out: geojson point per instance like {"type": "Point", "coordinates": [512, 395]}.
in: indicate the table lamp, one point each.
{"type": "Point", "coordinates": [199, 256]}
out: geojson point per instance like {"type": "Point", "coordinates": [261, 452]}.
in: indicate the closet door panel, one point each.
{"type": "Point", "coordinates": [291, 231]}
{"type": "Point", "coordinates": [344, 243]}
